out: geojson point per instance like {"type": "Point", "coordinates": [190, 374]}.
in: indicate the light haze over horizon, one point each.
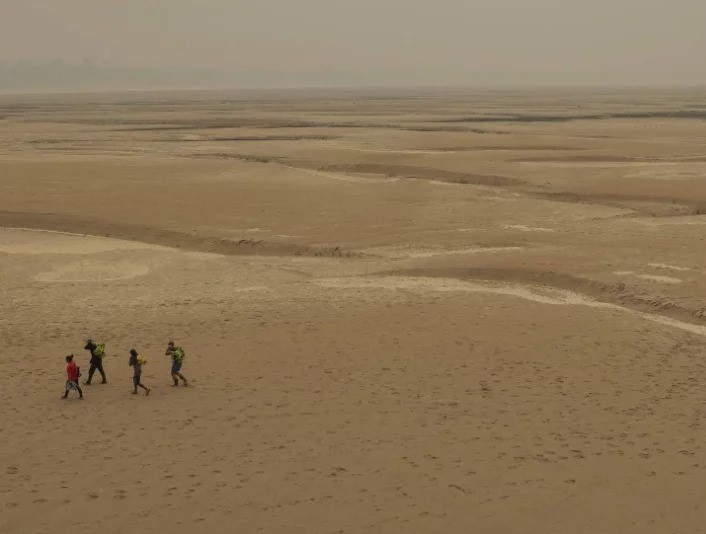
{"type": "Point", "coordinates": [375, 42]}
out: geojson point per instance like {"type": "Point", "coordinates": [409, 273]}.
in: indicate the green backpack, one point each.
{"type": "Point", "coordinates": [178, 354]}
{"type": "Point", "coordinates": [99, 351]}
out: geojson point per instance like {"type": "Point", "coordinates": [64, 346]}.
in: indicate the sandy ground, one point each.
{"type": "Point", "coordinates": [403, 312]}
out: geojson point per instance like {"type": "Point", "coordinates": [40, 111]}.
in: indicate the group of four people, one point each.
{"type": "Point", "coordinates": [136, 361]}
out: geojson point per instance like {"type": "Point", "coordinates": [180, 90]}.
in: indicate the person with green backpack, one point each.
{"type": "Point", "coordinates": [97, 353]}
{"type": "Point", "coordinates": [177, 354]}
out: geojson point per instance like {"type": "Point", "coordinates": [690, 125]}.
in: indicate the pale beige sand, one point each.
{"type": "Point", "coordinates": [395, 322]}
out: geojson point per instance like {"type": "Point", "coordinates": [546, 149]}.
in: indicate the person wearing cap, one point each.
{"type": "Point", "coordinates": [97, 351]}
{"type": "Point", "coordinates": [177, 354]}
{"type": "Point", "coordinates": [136, 362]}
{"type": "Point", "coordinates": [72, 374]}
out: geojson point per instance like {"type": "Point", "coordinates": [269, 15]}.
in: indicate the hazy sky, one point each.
{"type": "Point", "coordinates": [446, 41]}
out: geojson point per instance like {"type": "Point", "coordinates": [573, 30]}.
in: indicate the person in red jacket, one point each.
{"type": "Point", "coordinates": [72, 374]}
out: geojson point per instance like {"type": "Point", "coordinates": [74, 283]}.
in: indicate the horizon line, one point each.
{"type": "Point", "coordinates": [347, 87]}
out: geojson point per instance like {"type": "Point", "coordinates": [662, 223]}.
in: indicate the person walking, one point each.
{"type": "Point", "coordinates": [97, 351]}
{"type": "Point", "coordinates": [136, 362]}
{"type": "Point", "coordinates": [177, 354]}
{"type": "Point", "coordinates": [72, 374]}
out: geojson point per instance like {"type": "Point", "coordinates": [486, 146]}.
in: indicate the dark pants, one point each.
{"type": "Point", "coordinates": [73, 385]}
{"type": "Point", "coordinates": [137, 382]}
{"type": "Point", "coordinates": [95, 364]}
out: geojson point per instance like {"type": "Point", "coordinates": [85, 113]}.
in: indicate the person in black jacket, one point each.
{"type": "Point", "coordinates": [97, 351]}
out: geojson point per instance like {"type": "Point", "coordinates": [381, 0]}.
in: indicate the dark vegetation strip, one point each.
{"type": "Point", "coordinates": [699, 114]}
